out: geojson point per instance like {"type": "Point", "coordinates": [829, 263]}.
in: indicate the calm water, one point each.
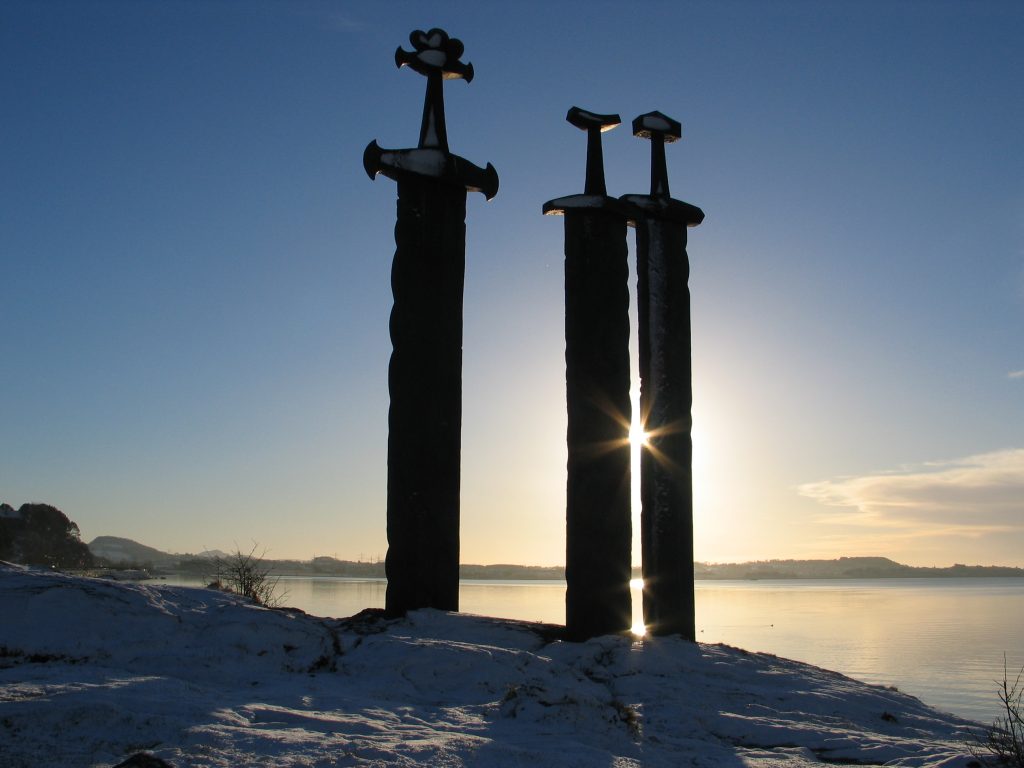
{"type": "Point", "coordinates": [941, 640]}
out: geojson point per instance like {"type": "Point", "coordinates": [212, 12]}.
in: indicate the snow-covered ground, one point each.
{"type": "Point", "coordinates": [93, 671]}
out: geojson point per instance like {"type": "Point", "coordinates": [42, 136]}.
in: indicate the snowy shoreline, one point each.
{"type": "Point", "coordinates": [93, 671]}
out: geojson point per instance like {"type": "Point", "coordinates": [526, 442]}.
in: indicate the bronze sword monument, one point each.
{"type": "Point", "coordinates": [425, 373]}
{"type": "Point", "coordinates": [598, 522]}
{"type": "Point", "coordinates": [666, 395]}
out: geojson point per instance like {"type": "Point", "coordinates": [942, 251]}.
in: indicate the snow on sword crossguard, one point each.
{"type": "Point", "coordinates": [436, 56]}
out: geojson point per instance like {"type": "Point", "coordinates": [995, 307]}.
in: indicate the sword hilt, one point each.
{"type": "Point", "coordinates": [594, 124]}
{"type": "Point", "coordinates": [661, 130]}
{"type": "Point", "coordinates": [436, 56]}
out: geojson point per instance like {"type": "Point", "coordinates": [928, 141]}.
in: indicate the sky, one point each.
{"type": "Point", "coordinates": [195, 269]}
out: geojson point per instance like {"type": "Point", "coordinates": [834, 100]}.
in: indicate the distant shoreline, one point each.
{"type": "Point", "coordinates": [118, 553]}
{"type": "Point", "coordinates": [946, 575]}
{"type": "Point", "coordinates": [124, 554]}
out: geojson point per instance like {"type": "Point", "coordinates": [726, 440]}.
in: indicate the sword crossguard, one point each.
{"type": "Point", "coordinates": [594, 124]}
{"type": "Point", "coordinates": [661, 130]}
{"type": "Point", "coordinates": [432, 163]}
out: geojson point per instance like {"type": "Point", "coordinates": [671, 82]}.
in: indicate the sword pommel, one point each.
{"type": "Point", "coordinates": [656, 124]}
{"type": "Point", "coordinates": [587, 121]}
{"type": "Point", "coordinates": [435, 54]}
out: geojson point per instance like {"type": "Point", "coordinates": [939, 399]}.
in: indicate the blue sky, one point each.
{"type": "Point", "coordinates": [195, 268]}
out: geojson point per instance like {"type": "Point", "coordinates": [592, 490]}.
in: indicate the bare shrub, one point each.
{"type": "Point", "coordinates": [245, 574]}
{"type": "Point", "coordinates": [1002, 743]}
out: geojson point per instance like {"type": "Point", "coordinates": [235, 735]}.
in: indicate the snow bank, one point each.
{"type": "Point", "coordinates": [93, 671]}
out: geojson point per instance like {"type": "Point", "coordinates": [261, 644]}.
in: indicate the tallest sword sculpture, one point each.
{"type": "Point", "coordinates": [425, 374]}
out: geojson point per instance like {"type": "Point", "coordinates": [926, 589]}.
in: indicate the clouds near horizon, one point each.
{"type": "Point", "coordinates": [973, 496]}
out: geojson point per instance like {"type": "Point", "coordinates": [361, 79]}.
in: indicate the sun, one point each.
{"type": "Point", "coordinates": [637, 435]}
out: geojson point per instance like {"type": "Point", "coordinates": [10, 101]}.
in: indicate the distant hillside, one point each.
{"type": "Point", "coordinates": [843, 568]}
{"type": "Point", "coordinates": [505, 572]}
{"type": "Point", "coordinates": [120, 551]}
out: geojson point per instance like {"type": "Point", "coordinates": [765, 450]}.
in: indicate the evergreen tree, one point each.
{"type": "Point", "coordinates": [40, 534]}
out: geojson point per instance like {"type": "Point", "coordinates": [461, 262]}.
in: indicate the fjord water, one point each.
{"type": "Point", "coordinates": [942, 640]}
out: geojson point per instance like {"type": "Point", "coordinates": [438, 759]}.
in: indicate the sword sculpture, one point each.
{"type": "Point", "coordinates": [425, 373]}
{"type": "Point", "coordinates": [598, 523]}
{"type": "Point", "coordinates": [666, 461]}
